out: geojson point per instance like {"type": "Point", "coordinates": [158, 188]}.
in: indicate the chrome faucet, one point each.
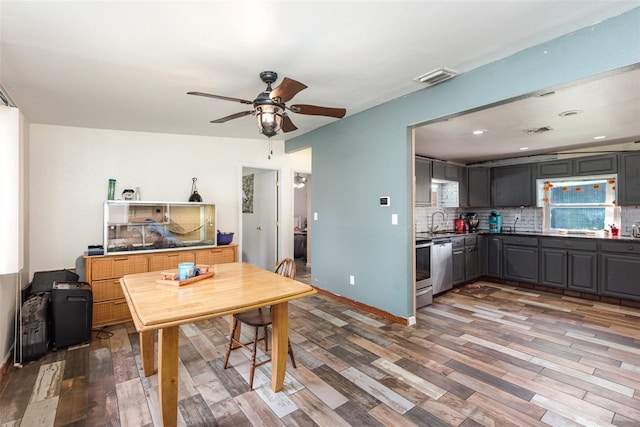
{"type": "Point", "coordinates": [433, 215]}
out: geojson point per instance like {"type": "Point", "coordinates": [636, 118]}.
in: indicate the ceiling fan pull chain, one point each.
{"type": "Point", "coordinates": [270, 149]}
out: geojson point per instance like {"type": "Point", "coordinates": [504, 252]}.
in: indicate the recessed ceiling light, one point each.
{"type": "Point", "coordinates": [599, 137]}
{"type": "Point", "coordinates": [524, 148]}
{"type": "Point", "coordinates": [478, 131]}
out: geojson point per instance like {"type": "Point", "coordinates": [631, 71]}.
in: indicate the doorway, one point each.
{"type": "Point", "coordinates": [260, 215]}
{"type": "Point", "coordinates": [302, 223]}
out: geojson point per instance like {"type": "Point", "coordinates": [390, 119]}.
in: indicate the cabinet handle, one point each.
{"type": "Point", "coordinates": [119, 302]}
{"type": "Point", "coordinates": [630, 248]}
{"type": "Point", "coordinates": [121, 259]}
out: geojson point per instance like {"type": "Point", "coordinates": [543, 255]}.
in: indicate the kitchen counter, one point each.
{"type": "Point", "coordinates": [427, 236]}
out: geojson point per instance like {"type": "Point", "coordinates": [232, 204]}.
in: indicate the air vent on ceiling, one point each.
{"type": "Point", "coordinates": [537, 131]}
{"type": "Point", "coordinates": [436, 76]}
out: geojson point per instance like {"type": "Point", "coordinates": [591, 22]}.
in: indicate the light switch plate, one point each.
{"type": "Point", "coordinates": [394, 219]}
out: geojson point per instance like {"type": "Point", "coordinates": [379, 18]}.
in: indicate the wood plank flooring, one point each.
{"type": "Point", "coordinates": [484, 354]}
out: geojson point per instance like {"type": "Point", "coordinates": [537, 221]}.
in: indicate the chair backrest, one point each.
{"type": "Point", "coordinates": [286, 267]}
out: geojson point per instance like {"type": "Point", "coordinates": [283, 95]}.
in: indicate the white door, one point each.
{"type": "Point", "coordinates": [260, 227]}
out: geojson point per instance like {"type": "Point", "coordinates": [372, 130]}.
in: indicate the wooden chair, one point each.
{"type": "Point", "coordinates": [259, 318]}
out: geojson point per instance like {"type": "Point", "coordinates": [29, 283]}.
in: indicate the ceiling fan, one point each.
{"type": "Point", "coordinates": [269, 106]}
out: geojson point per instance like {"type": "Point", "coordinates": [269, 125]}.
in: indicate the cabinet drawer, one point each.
{"type": "Point", "coordinates": [520, 240]}
{"type": "Point", "coordinates": [216, 255]}
{"type": "Point", "coordinates": [169, 261]}
{"type": "Point", "coordinates": [457, 243]}
{"type": "Point", "coordinates": [622, 247]}
{"type": "Point", "coordinates": [105, 290]}
{"type": "Point", "coordinates": [569, 243]}
{"type": "Point", "coordinates": [471, 240]}
{"type": "Point", "coordinates": [118, 266]}
{"type": "Point", "coordinates": [110, 313]}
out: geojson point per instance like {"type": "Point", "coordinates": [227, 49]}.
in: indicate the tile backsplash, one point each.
{"type": "Point", "coordinates": [531, 218]}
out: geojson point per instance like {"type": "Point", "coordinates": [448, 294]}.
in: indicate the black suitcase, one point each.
{"type": "Point", "coordinates": [43, 280]}
{"type": "Point", "coordinates": [72, 308]}
{"type": "Point", "coordinates": [35, 328]}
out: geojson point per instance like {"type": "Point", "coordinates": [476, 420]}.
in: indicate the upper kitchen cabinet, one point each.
{"type": "Point", "coordinates": [479, 187]}
{"type": "Point", "coordinates": [446, 171]}
{"type": "Point", "coordinates": [512, 186]}
{"type": "Point", "coordinates": [629, 179]}
{"type": "Point", "coordinates": [423, 181]}
{"type": "Point", "coordinates": [580, 166]}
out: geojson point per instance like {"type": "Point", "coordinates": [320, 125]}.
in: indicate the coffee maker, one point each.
{"type": "Point", "coordinates": [472, 222]}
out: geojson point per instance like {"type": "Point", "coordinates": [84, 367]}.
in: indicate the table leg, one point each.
{"type": "Point", "coordinates": [279, 344]}
{"type": "Point", "coordinates": [147, 352]}
{"type": "Point", "coordinates": [168, 375]}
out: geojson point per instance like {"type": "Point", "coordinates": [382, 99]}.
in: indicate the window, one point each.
{"type": "Point", "coordinates": [579, 204]}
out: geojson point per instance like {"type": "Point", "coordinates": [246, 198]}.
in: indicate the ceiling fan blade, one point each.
{"type": "Point", "coordinates": [315, 110]}
{"type": "Point", "coordinates": [225, 98]}
{"type": "Point", "coordinates": [231, 117]}
{"type": "Point", "coordinates": [287, 89]}
{"type": "Point", "coordinates": [287, 124]}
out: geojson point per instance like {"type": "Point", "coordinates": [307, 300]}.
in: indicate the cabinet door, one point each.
{"type": "Point", "coordinates": [458, 266]}
{"type": "Point", "coordinates": [494, 256]}
{"type": "Point", "coordinates": [595, 165]}
{"type": "Point", "coordinates": [520, 263]}
{"type": "Point", "coordinates": [423, 181]}
{"type": "Point", "coordinates": [553, 267]}
{"type": "Point", "coordinates": [471, 263]}
{"type": "Point", "coordinates": [629, 179]}
{"type": "Point", "coordinates": [479, 187]}
{"type": "Point", "coordinates": [169, 261]}
{"type": "Point", "coordinates": [511, 186]}
{"type": "Point", "coordinates": [219, 255]}
{"type": "Point", "coordinates": [619, 275]}
{"type": "Point", "coordinates": [463, 189]}
{"type": "Point", "coordinates": [554, 169]}
{"type": "Point", "coordinates": [582, 267]}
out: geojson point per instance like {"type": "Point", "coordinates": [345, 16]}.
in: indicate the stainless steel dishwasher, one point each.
{"type": "Point", "coordinates": [441, 265]}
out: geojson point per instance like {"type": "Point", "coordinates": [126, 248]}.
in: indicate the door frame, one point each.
{"type": "Point", "coordinates": [278, 242]}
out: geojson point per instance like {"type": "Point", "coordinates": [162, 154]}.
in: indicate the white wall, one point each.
{"type": "Point", "coordinates": [70, 168]}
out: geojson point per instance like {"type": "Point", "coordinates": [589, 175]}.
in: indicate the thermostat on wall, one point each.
{"type": "Point", "coordinates": [385, 201]}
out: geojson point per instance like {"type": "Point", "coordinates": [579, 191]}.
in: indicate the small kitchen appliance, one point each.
{"type": "Point", "coordinates": [472, 222]}
{"type": "Point", "coordinates": [635, 230]}
{"type": "Point", "coordinates": [459, 225]}
{"type": "Point", "coordinates": [495, 222]}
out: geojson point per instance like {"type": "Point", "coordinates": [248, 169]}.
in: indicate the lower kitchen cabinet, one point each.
{"type": "Point", "coordinates": [493, 256]}
{"type": "Point", "coordinates": [619, 269]}
{"type": "Point", "coordinates": [569, 264]}
{"type": "Point", "coordinates": [520, 258]}
{"type": "Point", "coordinates": [471, 262]}
{"type": "Point", "coordinates": [458, 260]}
{"type": "Point", "coordinates": [103, 273]}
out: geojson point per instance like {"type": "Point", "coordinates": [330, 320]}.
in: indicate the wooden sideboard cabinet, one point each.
{"type": "Point", "coordinates": [103, 272]}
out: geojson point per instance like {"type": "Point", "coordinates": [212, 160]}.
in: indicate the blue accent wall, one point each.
{"type": "Point", "coordinates": [367, 155]}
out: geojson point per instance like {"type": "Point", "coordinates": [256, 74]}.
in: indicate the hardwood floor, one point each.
{"type": "Point", "coordinates": [484, 354]}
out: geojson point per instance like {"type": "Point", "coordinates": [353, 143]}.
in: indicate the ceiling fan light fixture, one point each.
{"type": "Point", "coordinates": [299, 181]}
{"type": "Point", "coordinates": [269, 119]}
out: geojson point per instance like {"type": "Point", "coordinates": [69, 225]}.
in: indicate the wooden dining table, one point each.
{"type": "Point", "coordinates": [234, 288]}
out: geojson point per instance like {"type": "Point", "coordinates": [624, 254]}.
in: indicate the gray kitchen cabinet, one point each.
{"type": "Point", "coordinates": [493, 256]}
{"type": "Point", "coordinates": [446, 171]}
{"type": "Point", "coordinates": [458, 260]}
{"type": "Point", "coordinates": [482, 255]}
{"type": "Point", "coordinates": [463, 189]}
{"type": "Point", "coordinates": [592, 165]}
{"type": "Point", "coordinates": [619, 269]}
{"type": "Point", "coordinates": [520, 258]}
{"type": "Point", "coordinates": [512, 186]}
{"type": "Point", "coordinates": [471, 258]}
{"type": "Point", "coordinates": [629, 179]}
{"type": "Point", "coordinates": [479, 187]}
{"type": "Point", "coordinates": [595, 165]}
{"type": "Point", "coordinates": [554, 169]}
{"type": "Point", "coordinates": [423, 181]}
{"type": "Point", "coordinates": [569, 263]}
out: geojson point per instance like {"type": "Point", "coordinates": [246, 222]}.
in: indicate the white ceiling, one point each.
{"type": "Point", "coordinates": [128, 65]}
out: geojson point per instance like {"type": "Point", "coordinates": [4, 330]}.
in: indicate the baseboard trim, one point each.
{"type": "Point", "coordinates": [364, 307]}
